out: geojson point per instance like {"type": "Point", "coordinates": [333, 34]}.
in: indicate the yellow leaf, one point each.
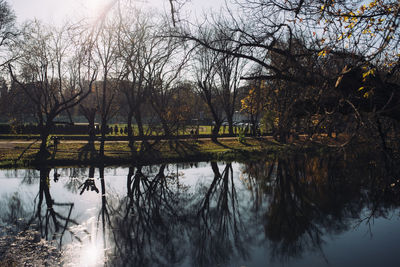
{"type": "Point", "coordinates": [372, 4]}
{"type": "Point", "coordinates": [370, 72]}
{"type": "Point", "coordinates": [361, 88]}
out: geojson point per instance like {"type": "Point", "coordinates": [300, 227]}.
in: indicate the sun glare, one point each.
{"type": "Point", "coordinates": [91, 250]}
{"type": "Point", "coordinates": [96, 6]}
{"type": "Point", "coordinates": [91, 256]}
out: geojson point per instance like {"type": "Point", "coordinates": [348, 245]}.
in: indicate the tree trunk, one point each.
{"type": "Point", "coordinates": [253, 126]}
{"type": "Point", "coordinates": [44, 134]}
{"type": "Point", "coordinates": [138, 118]}
{"type": "Point", "coordinates": [103, 136]}
{"type": "Point", "coordinates": [92, 131]}
{"type": "Point", "coordinates": [215, 131]}
{"type": "Point", "coordinates": [131, 143]}
{"type": "Point", "coordinates": [129, 181]}
{"type": "Point", "coordinates": [283, 136]}
{"type": "Point", "coordinates": [230, 123]}
{"type": "Point", "coordinates": [104, 113]}
{"type": "Point", "coordinates": [104, 212]}
{"type": "Point", "coordinates": [167, 130]}
{"type": "Point", "coordinates": [45, 191]}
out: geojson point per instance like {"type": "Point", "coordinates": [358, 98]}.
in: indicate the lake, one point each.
{"type": "Point", "coordinates": [301, 210]}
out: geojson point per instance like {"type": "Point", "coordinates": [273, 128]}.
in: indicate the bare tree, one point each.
{"type": "Point", "coordinates": [166, 61]}
{"type": "Point", "coordinates": [89, 109]}
{"type": "Point", "coordinates": [134, 35]}
{"type": "Point", "coordinates": [218, 78]}
{"type": "Point", "coordinates": [52, 71]}
{"type": "Point", "coordinates": [205, 72]}
{"type": "Point", "coordinates": [152, 65]}
{"type": "Point", "coordinates": [8, 32]}
{"type": "Point", "coordinates": [104, 53]}
{"type": "Point", "coordinates": [229, 69]}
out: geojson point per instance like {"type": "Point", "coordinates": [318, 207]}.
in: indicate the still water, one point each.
{"type": "Point", "coordinates": [333, 210]}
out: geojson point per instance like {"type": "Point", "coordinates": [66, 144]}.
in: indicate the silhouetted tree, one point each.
{"type": "Point", "coordinates": [52, 71]}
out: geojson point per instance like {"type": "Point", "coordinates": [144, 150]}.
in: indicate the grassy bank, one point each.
{"type": "Point", "coordinates": [75, 153]}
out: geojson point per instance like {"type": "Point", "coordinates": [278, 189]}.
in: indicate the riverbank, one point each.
{"type": "Point", "coordinates": [14, 153]}
{"type": "Point", "coordinates": [27, 248]}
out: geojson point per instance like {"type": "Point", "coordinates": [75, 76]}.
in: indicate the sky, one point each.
{"type": "Point", "coordinates": [57, 11]}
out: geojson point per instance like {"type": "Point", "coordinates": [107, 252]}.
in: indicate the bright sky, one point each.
{"type": "Point", "coordinates": [57, 11]}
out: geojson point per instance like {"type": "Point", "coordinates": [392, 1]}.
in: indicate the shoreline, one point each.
{"type": "Point", "coordinates": [167, 151]}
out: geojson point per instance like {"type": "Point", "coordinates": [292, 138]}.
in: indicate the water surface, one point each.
{"type": "Point", "coordinates": [301, 210]}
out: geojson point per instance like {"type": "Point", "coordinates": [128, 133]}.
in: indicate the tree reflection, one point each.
{"type": "Point", "coordinates": [51, 223]}
{"type": "Point", "coordinates": [30, 176]}
{"type": "Point", "coordinates": [288, 221]}
{"type": "Point", "coordinates": [309, 197]}
{"type": "Point", "coordinates": [90, 183]}
{"type": "Point", "coordinates": [105, 215]}
{"type": "Point", "coordinates": [218, 234]}
{"type": "Point", "coordinates": [52, 218]}
{"type": "Point", "coordinates": [148, 222]}
{"type": "Point", "coordinates": [75, 178]}
{"type": "Point", "coordinates": [90, 253]}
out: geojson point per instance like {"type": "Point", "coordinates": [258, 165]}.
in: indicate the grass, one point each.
{"type": "Point", "coordinates": [73, 153]}
{"type": "Point", "coordinates": [203, 129]}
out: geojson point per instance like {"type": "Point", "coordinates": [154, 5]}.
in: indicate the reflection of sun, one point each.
{"type": "Point", "coordinates": [90, 255]}
{"type": "Point", "coordinates": [90, 251]}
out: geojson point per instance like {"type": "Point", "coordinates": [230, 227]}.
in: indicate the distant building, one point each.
{"type": "Point", "coordinates": [239, 116]}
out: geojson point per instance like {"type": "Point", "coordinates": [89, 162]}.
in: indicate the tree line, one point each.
{"type": "Point", "coordinates": [297, 66]}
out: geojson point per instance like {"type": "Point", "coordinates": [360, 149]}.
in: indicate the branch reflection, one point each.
{"type": "Point", "coordinates": [148, 222]}
{"type": "Point", "coordinates": [218, 233]}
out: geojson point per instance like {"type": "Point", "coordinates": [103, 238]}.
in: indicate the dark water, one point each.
{"type": "Point", "coordinates": [334, 210]}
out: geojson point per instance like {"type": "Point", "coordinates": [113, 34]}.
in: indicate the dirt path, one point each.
{"type": "Point", "coordinates": [11, 144]}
